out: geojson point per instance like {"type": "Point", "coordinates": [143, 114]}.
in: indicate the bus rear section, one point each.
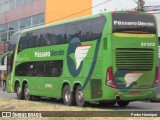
{"type": "Point", "coordinates": [133, 74]}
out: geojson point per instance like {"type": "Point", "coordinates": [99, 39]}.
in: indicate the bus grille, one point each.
{"type": "Point", "coordinates": [134, 59]}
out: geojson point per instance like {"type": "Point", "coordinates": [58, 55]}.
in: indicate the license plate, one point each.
{"type": "Point", "coordinates": [135, 93]}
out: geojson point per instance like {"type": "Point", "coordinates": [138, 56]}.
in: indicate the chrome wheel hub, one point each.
{"type": "Point", "coordinates": [80, 96]}
{"type": "Point", "coordinates": [18, 90]}
{"type": "Point", "coordinates": [27, 93]}
{"type": "Point", "coordinates": [67, 96]}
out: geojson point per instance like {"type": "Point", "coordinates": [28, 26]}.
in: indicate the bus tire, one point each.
{"type": "Point", "coordinates": [122, 103]}
{"type": "Point", "coordinates": [27, 96]}
{"type": "Point", "coordinates": [19, 92]}
{"type": "Point", "coordinates": [68, 96]}
{"type": "Point", "coordinates": [79, 96]}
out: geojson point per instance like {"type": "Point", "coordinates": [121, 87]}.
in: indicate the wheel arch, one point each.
{"type": "Point", "coordinates": [24, 82]}
{"type": "Point", "coordinates": [76, 84]}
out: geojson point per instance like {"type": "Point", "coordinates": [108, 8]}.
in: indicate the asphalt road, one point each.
{"type": "Point", "coordinates": [133, 106]}
{"type": "Point", "coordinates": [7, 95]}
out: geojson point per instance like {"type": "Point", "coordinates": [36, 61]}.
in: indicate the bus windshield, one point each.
{"type": "Point", "coordinates": [13, 41]}
{"type": "Point", "coordinates": [133, 23]}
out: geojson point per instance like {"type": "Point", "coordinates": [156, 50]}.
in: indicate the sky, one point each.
{"type": "Point", "coordinates": [119, 5]}
{"type": "Point", "coordinates": [152, 2]}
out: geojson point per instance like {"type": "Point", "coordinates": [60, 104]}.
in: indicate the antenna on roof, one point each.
{"type": "Point", "coordinates": [140, 4]}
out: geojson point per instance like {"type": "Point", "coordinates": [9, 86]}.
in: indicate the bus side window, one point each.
{"type": "Point", "coordinates": [73, 31]}
{"type": "Point", "coordinates": [53, 68]}
{"type": "Point", "coordinates": [97, 28]}
{"type": "Point", "coordinates": [86, 30]}
{"type": "Point", "coordinates": [20, 47]}
{"type": "Point", "coordinates": [45, 37]}
{"type": "Point", "coordinates": [54, 71]}
{"type": "Point", "coordinates": [49, 38]}
{"type": "Point", "coordinates": [59, 36]}
{"type": "Point", "coordinates": [36, 39]}
{"type": "Point", "coordinates": [22, 69]}
{"type": "Point", "coordinates": [60, 67]}
{"type": "Point", "coordinates": [23, 43]}
{"type": "Point", "coordinates": [31, 41]}
{"type": "Point", "coordinates": [39, 69]}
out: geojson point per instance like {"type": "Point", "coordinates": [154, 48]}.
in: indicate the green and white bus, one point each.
{"type": "Point", "coordinates": [107, 58]}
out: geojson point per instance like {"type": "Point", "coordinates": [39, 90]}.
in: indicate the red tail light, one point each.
{"type": "Point", "coordinates": [151, 14]}
{"type": "Point", "coordinates": [110, 78]}
{"type": "Point", "coordinates": [156, 78]}
{"type": "Point", "coordinates": [113, 12]}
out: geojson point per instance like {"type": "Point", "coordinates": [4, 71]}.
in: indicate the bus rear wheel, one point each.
{"type": "Point", "coordinates": [79, 96]}
{"type": "Point", "coordinates": [27, 96]}
{"type": "Point", "coordinates": [19, 92]}
{"type": "Point", "coordinates": [68, 96]}
{"type": "Point", "coordinates": [122, 103]}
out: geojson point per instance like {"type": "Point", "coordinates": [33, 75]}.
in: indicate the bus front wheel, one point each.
{"type": "Point", "coordinates": [19, 92]}
{"type": "Point", "coordinates": [122, 103]}
{"type": "Point", "coordinates": [80, 97]}
{"type": "Point", "coordinates": [27, 96]}
{"type": "Point", "coordinates": [68, 96]}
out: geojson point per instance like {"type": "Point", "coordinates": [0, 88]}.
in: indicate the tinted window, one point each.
{"type": "Point", "coordinates": [22, 70]}
{"type": "Point", "coordinates": [47, 37]}
{"type": "Point", "coordinates": [41, 69]}
{"type": "Point", "coordinates": [23, 43]}
{"type": "Point", "coordinates": [59, 35]}
{"type": "Point", "coordinates": [13, 41]}
{"type": "Point", "coordinates": [36, 38]}
{"type": "Point", "coordinates": [86, 30]}
{"type": "Point", "coordinates": [30, 41]}
{"type": "Point", "coordinates": [97, 27]}
{"type": "Point", "coordinates": [35, 35]}
{"type": "Point", "coordinates": [54, 68]}
{"type": "Point", "coordinates": [73, 31]}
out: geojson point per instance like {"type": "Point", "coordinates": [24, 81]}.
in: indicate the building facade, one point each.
{"type": "Point", "coordinates": [16, 15]}
{"type": "Point", "coordinates": [20, 14]}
